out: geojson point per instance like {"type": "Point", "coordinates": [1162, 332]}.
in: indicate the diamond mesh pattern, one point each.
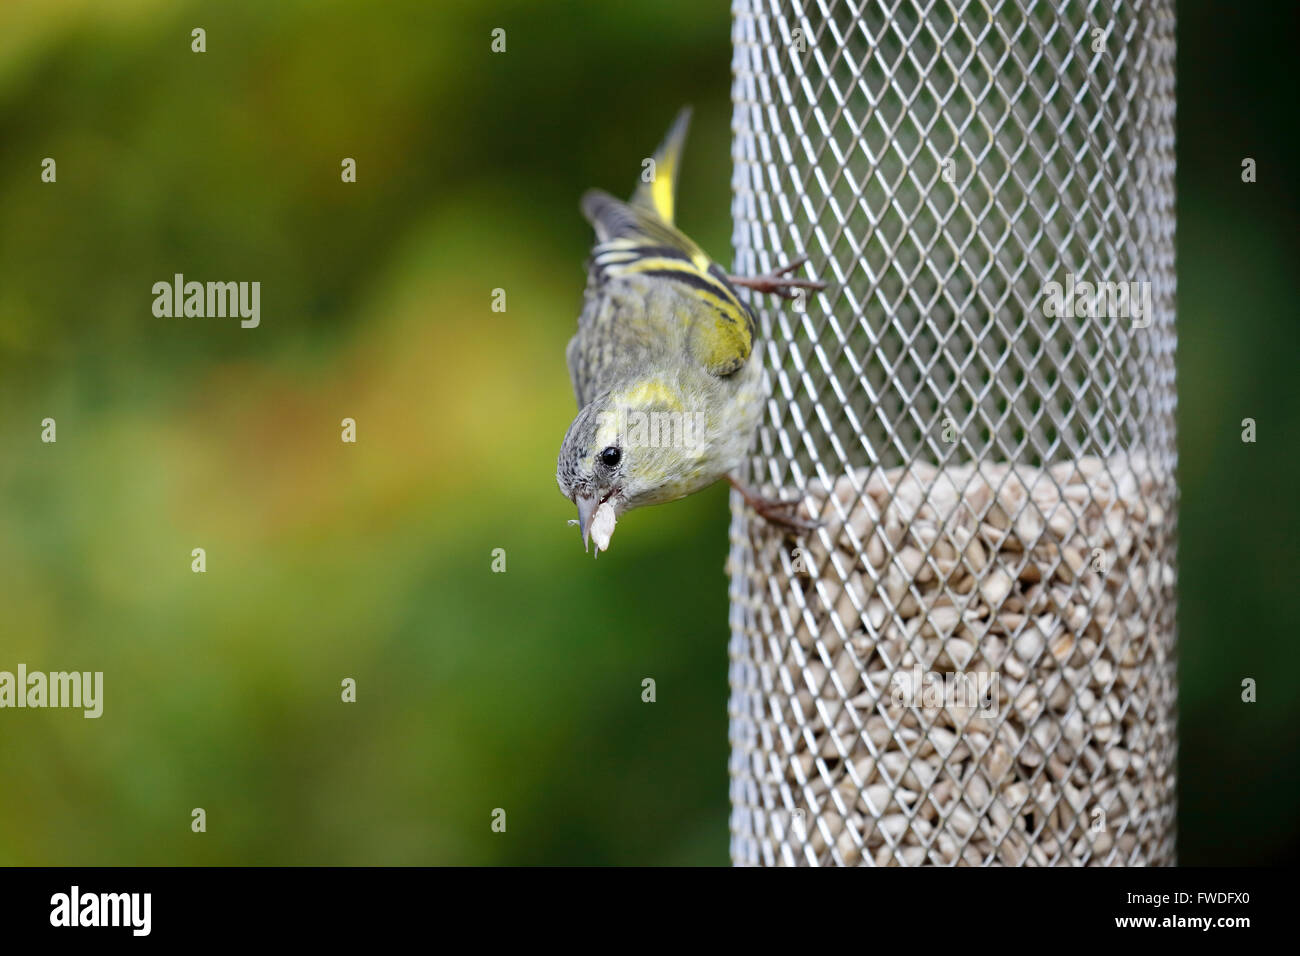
{"type": "Point", "coordinates": [996, 486]}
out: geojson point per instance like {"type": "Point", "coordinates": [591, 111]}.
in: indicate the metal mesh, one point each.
{"type": "Point", "coordinates": [972, 660]}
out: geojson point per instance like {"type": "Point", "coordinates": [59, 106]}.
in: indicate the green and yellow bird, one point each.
{"type": "Point", "coordinates": [668, 381]}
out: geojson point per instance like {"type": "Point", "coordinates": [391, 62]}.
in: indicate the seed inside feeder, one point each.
{"type": "Point", "coordinates": [1049, 584]}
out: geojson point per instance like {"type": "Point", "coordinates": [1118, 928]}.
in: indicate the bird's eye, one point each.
{"type": "Point", "coordinates": [611, 456]}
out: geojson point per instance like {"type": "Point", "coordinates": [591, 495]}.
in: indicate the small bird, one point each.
{"type": "Point", "coordinates": [668, 382]}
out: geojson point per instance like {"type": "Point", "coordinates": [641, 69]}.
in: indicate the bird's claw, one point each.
{"type": "Point", "coordinates": [775, 511]}
{"type": "Point", "coordinates": [783, 513]}
{"type": "Point", "coordinates": [777, 281]}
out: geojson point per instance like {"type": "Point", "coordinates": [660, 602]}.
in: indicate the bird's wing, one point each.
{"type": "Point", "coordinates": [638, 249]}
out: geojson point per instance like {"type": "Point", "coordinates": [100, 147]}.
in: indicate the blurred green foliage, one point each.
{"type": "Point", "coordinates": [475, 690]}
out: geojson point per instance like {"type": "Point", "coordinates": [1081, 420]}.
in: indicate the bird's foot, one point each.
{"type": "Point", "coordinates": [779, 281]}
{"type": "Point", "coordinates": [778, 512]}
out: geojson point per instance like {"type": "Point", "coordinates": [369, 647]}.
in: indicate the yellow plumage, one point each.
{"type": "Point", "coordinates": [663, 338]}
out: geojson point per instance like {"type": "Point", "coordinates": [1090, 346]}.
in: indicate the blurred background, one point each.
{"type": "Point", "coordinates": [476, 690]}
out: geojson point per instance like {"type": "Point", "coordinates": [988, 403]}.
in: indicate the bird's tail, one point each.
{"type": "Point", "coordinates": [659, 193]}
{"type": "Point", "coordinates": [647, 219]}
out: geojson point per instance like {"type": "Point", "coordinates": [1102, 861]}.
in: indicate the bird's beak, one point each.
{"type": "Point", "coordinates": [587, 505]}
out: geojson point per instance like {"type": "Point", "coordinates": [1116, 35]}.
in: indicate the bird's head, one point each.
{"type": "Point", "coordinates": [624, 450]}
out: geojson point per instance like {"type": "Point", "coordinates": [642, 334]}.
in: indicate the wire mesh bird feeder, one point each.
{"type": "Point", "coordinates": [972, 659]}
